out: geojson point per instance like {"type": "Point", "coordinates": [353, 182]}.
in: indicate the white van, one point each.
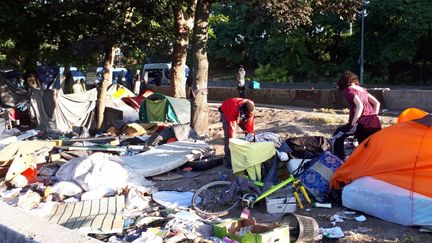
{"type": "Point", "coordinates": [116, 72]}
{"type": "Point", "coordinates": [164, 69]}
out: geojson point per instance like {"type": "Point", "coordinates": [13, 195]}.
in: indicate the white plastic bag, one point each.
{"type": "Point", "coordinates": [66, 188]}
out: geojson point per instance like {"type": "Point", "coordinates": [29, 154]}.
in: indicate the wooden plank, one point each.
{"type": "Point", "coordinates": [118, 220]}
{"type": "Point", "coordinates": [67, 214]}
{"type": "Point", "coordinates": [94, 210]}
{"type": "Point", "coordinates": [75, 214]}
{"type": "Point", "coordinates": [103, 209]}
{"type": "Point", "coordinates": [59, 210]}
{"type": "Point", "coordinates": [87, 205]}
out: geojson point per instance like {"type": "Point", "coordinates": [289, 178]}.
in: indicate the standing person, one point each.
{"type": "Point", "coordinates": [363, 116]}
{"type": "Point", "coordinates": [83, 85]}
{"type": "Point", "coordinates": [158, 78]}
{"type": "Point", "coordinates": [240, 81]}
{"type": "Point", "coordinates": [137, 83]}
{"type": "Point", "coordinates": [144, 81]}
{"type": "Point", "coordinates": [120, 78]}
{"type": "Point", "coordinates": [129, 79]}
{"type": "Point", "coordinates": [235, 111]}
{"type": "Point", "coordinates": [77, 87]}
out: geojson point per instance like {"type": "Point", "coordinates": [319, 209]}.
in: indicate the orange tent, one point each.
{"type": "Point", "coordinates": [411, 114]}
{"type": "Point", "coordinates": [400, 155]}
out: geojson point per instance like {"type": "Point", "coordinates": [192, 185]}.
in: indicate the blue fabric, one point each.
{"type": "Point", "coordinates": [316, 178]}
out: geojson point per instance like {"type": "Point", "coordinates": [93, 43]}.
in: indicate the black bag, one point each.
{"type": "Point", "coordinates": [307, 147]}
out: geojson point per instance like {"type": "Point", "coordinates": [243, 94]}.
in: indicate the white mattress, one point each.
{"type": "Point", "coordinates": [388, 202]}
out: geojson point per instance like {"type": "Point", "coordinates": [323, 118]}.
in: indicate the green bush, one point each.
{"type": "Point", "coordinates": [267, 73]}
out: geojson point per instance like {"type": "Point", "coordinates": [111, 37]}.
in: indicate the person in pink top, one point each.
{"type": "Point", "coordinates": [363, 117]}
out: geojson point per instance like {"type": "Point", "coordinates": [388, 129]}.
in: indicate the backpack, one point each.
{"type": "Point", "coordinates": [307, 147]}
{"type": "Point", "coordinates": [254, 85]}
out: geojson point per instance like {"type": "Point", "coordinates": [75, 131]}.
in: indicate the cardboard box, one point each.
{"type": "Point", "coordinates": [258, 234]}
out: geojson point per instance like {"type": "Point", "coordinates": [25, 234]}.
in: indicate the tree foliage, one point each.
{"type": "Point", "coordinates": [317, 43]}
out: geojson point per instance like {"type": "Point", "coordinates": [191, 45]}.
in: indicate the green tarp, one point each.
{"type": "Point", "coordinates": [161, 108]}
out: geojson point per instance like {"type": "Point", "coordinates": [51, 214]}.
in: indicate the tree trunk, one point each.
{"type": "Point", "coordinates": [106, 81]}
{"type": "Point", "coordinates": [182, 24]}
{"type": "Point", "coordinates": [199, 119]}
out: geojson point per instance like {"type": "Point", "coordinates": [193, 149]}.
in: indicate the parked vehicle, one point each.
{"type": "Point", "coordinates": [164, 69]}
{"type": "Point", "coordinates": [116, 73]}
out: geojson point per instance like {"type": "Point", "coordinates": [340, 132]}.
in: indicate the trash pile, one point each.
{"type": "Point", "coordinates": [97, 185]}
{"type": "Point", "coordinates": [102, 182]}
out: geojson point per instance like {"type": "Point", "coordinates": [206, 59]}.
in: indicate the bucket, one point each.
{"type": "Point", "coordinates": [302, 228]}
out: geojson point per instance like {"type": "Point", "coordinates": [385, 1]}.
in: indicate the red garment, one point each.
{"type": "Point", "coordinates": [368, 119]}
{"type": "Point", "coordinates": [231, 110]}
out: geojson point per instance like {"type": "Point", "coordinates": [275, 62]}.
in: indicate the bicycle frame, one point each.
{"type": "Point", "coordinates": [275, 188]}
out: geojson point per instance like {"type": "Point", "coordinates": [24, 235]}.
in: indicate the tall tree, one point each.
{"type": "Point", "coordinates": [199, 119]}
{"type": "Point", "coordinates": [183, 11]}
{"type": "Point", "coordinates": [290, 13]}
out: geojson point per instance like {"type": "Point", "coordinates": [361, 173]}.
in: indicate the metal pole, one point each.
{"type": "Point", "coordinates": [362, 43]}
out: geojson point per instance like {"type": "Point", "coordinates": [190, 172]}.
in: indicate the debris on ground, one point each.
{"type": "Point", "coordinates": [134, 182]}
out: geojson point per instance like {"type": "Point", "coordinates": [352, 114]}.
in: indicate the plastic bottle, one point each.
{"type": "Point", "coordinates": [321, 205]}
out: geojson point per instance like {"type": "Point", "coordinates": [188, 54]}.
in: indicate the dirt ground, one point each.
{"type": "Point", "coordinates": [292, 122]}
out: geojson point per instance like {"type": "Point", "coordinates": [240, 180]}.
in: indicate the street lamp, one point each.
{"type": "Point", "coordinates": [363, 13]}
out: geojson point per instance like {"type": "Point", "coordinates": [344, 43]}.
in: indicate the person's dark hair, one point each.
{"type": "Point", "coordinates": [347, 79]}
{"type": "Point", "coordinates": [247, 108]}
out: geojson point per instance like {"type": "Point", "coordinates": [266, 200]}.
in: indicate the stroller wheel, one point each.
{"type": "Point", "coordinates": [207, 200]}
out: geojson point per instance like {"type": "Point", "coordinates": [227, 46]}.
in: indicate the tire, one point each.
{"type": "Point", "coordinates": [206, 200]}
{"type": "Point", "coordinates": [205, 164]}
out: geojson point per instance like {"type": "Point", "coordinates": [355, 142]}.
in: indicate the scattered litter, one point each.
{"type": "Point", "coordinates": [245, 213]}
{"type": "Point", "coordinates": [46, 171]}
{"type": "Point", "coordinates": [99, 192]}
{"type": "Point", "coordinates": [173, 199]}
{"type": "Point", "coordinates": [349, 212]}
{"type": "Point", "coordinates": [167, 177]}
{"type": "Point", "coordinates": [360, 218]}
{"type": "Point", "coordinates": [190, 227]}
{"type": "Point", "coordinates": [138, 198]}
{"type": "Point", "coordinates": [322, 205]}
{"type": "Point", "coordinates": [148, 237]}
{"type": "Point", "coordinates": [10, 195]}
{"type": "Point", "coordinates": [147, 220]}
{"type": "Point", "coordinates": [66, 188]}
{"type": "Point", "coordinates": [187, 215]}
{"type": "Point", "coordinates": [29, 200]}
{"type": "Point", "coordinates": [336, 219]}
{"type": "Point", "coordinates": [19, 181]}
{"type": "Point", "coordinates": [425, 230]}
{"type": "Point", "coordinates": [335, 232]}
{"type": "Point", "coordinates": [362, 230]}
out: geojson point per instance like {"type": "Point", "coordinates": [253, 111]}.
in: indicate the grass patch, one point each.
{"type": "Point", "coordinates": [325, 110]}
{"type": "Point", "coordinates": [330, 120]}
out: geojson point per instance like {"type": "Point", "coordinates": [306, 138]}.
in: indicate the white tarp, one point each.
{"type": "Point", "coordinates": [165, 157]}
{"type": "Point", "coordinates": [99, 175]}
{"type": "Point", "coordinates": [388, 202]}
{"type": "Point", "coordinates": [67, 111]}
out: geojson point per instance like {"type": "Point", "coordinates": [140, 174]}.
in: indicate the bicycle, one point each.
{"type": "Point", "coordinates": [207, 199]}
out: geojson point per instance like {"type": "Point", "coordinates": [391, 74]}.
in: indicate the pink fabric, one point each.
{"type": "Point", "coordinates": [368, 110]}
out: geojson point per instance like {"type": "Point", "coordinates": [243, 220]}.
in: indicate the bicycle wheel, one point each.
{"type": "Point", "coordinates": [207, 199]}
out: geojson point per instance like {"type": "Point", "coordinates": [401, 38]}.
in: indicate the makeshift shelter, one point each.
{"type": "Point", "coordinates": [399, 155]}
{"type": "Point", "coordinates": [114, 100]}
{"type": "Point", "coordinates": [135, 102]}
{"type": "Point", "coordinates": [161, 108]}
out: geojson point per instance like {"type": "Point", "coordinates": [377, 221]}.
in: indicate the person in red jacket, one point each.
{"type": "Point", "coordinates": [236, 111]}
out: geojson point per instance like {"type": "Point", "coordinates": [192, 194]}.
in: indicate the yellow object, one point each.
{"type": "Point", "coordinates": [249, 156]}
{"type": "Point", "coordinates": [296, 186]}
{"type": "Point", "coordinates": [120, 93]}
